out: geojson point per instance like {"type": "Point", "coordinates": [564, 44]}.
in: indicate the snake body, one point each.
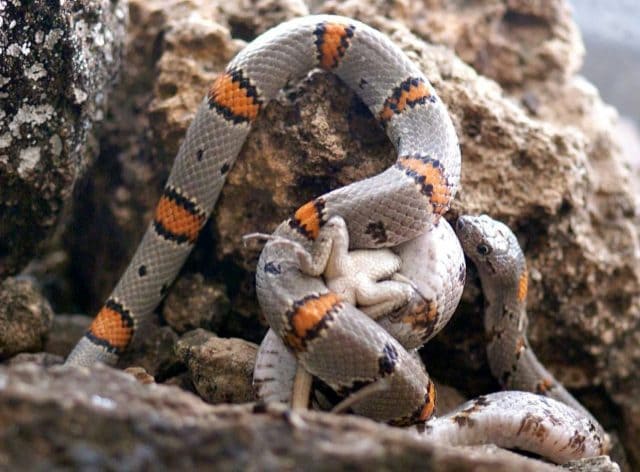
{"type": "Point", "coordinates": [502, 267]}
{"type": "Point", "coordinates": [519, 420]}
{"type": "Point", "coordinates": [325, 331]}
{"type": "Point", "coordinates": [433, 261]}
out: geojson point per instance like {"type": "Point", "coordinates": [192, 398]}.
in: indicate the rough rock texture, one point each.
{"type": "Point", "coordinates": [537, 151]}
{"type": "Point", "coordinates": [195, 303]}
{"type": "Point", "coordinates": [140, 375]}
{"type": "Point", "coordinates": [599, 464]}
{"type": "Point", "coordinates": [58, 60]}
{"type": "Point", "coordinates": [25, 317]}
{"type": "Point", "coordinates": [221, 370]}
{"type": "Point", "coordinates": [64, 333]}
{"type": "Point", "coordinates": [43, 359]}
{"type": "Point", "coordinates": [151, 349]}
{"type": "Point", "coordinates": [105, 419]}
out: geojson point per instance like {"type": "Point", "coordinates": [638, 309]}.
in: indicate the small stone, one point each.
{"type": "Point", "coordinates": [25, 317]}
{"type": "Point", "coordinates": [221, 369]}
{"type": "Point", "coordinates": [140, 374]}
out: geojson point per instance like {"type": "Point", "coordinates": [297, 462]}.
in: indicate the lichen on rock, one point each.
{"type": "Point", "coordinates": [58, 62]}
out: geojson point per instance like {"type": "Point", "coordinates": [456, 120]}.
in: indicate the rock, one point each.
{"type": "Point", "coordinates": [221, 370]}
{"type": "Point", "coordinates": [140, 375]}
{"type": "Point", "coordinates": [82, 419]}
{"type": "Point", "coordinates": [513, 42]}
{"type": "Point", "coordinates": [43, 359]}
{"type": "Point", "coordinates": [183, 381]}
{"type": "Point", "coordinates": [59, 60]}
{"type": "Point", "coordinates": [151, 349]}
{"type": "Point", "coordinates": [248, 18]}
{"type": "Point", "coordinates": [592, 464]}
{"type": "Point", "coordinates": [194, 302]}
{"type": "Point", "coordinates": [65, 333]}
{"type": "Point", "coordinates": [25, 317]}
{"type": "Point", "coordinates": [537, 151]}
{"type": "Point", "coordinates": [447, 398]}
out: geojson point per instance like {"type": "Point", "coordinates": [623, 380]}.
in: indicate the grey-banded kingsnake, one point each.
{"type": "Point", "coordinates": [329, 326]}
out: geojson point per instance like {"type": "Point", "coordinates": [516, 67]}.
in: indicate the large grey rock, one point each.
{"type": "Point", "coordinates": [58, 61]}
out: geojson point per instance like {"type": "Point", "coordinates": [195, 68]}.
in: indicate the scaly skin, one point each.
{"type": "Point", "coordinates": [502, 267]}
{"type": "Point", "coordinates": [519, 420]}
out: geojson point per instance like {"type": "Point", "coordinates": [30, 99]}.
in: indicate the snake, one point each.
{"type": "Point", "coordinates": [342, 335]}
{"type": "Point", "coordinates": [502, 267]}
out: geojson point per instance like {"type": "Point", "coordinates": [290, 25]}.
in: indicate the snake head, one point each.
{"type": "Point", "coordinates": [493, 248]}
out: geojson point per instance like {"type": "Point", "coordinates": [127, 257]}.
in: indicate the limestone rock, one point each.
{"type": "Point", "coordinates": [58, 61]}
{"type": "Point", "coordinates": [25, 317]}
{"type": "Point", "coordinates": [221, 370]}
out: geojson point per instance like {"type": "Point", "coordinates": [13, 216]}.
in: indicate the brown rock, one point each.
{"type": "Point", "coordinates": [221, 370]}
{"type": "Point", "coordinates": [194, 302]}
{"type": "Point", "coordinates": [151, 349]}
{"type": "Point", "coordinates": [65, 332]}
{"type": "Point", "coordinates": [140, 374]}
{"type": "Point", "coordinates": [100, 418]}
{"type": "Point", "coordinates": [25, 317]}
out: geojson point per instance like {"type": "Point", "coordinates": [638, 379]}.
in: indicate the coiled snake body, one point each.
{"type": "Point", "coordinates": [329, 327]}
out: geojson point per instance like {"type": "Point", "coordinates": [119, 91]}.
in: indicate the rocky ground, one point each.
{"type": "Point", "coordinates": [538, 153]}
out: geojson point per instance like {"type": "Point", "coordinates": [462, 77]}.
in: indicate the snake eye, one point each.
{"type": "Point", "coordinates": [483, 249]}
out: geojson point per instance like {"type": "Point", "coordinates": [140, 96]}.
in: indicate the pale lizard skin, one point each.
{"type": "Point", "coordinates": [331, 338]}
